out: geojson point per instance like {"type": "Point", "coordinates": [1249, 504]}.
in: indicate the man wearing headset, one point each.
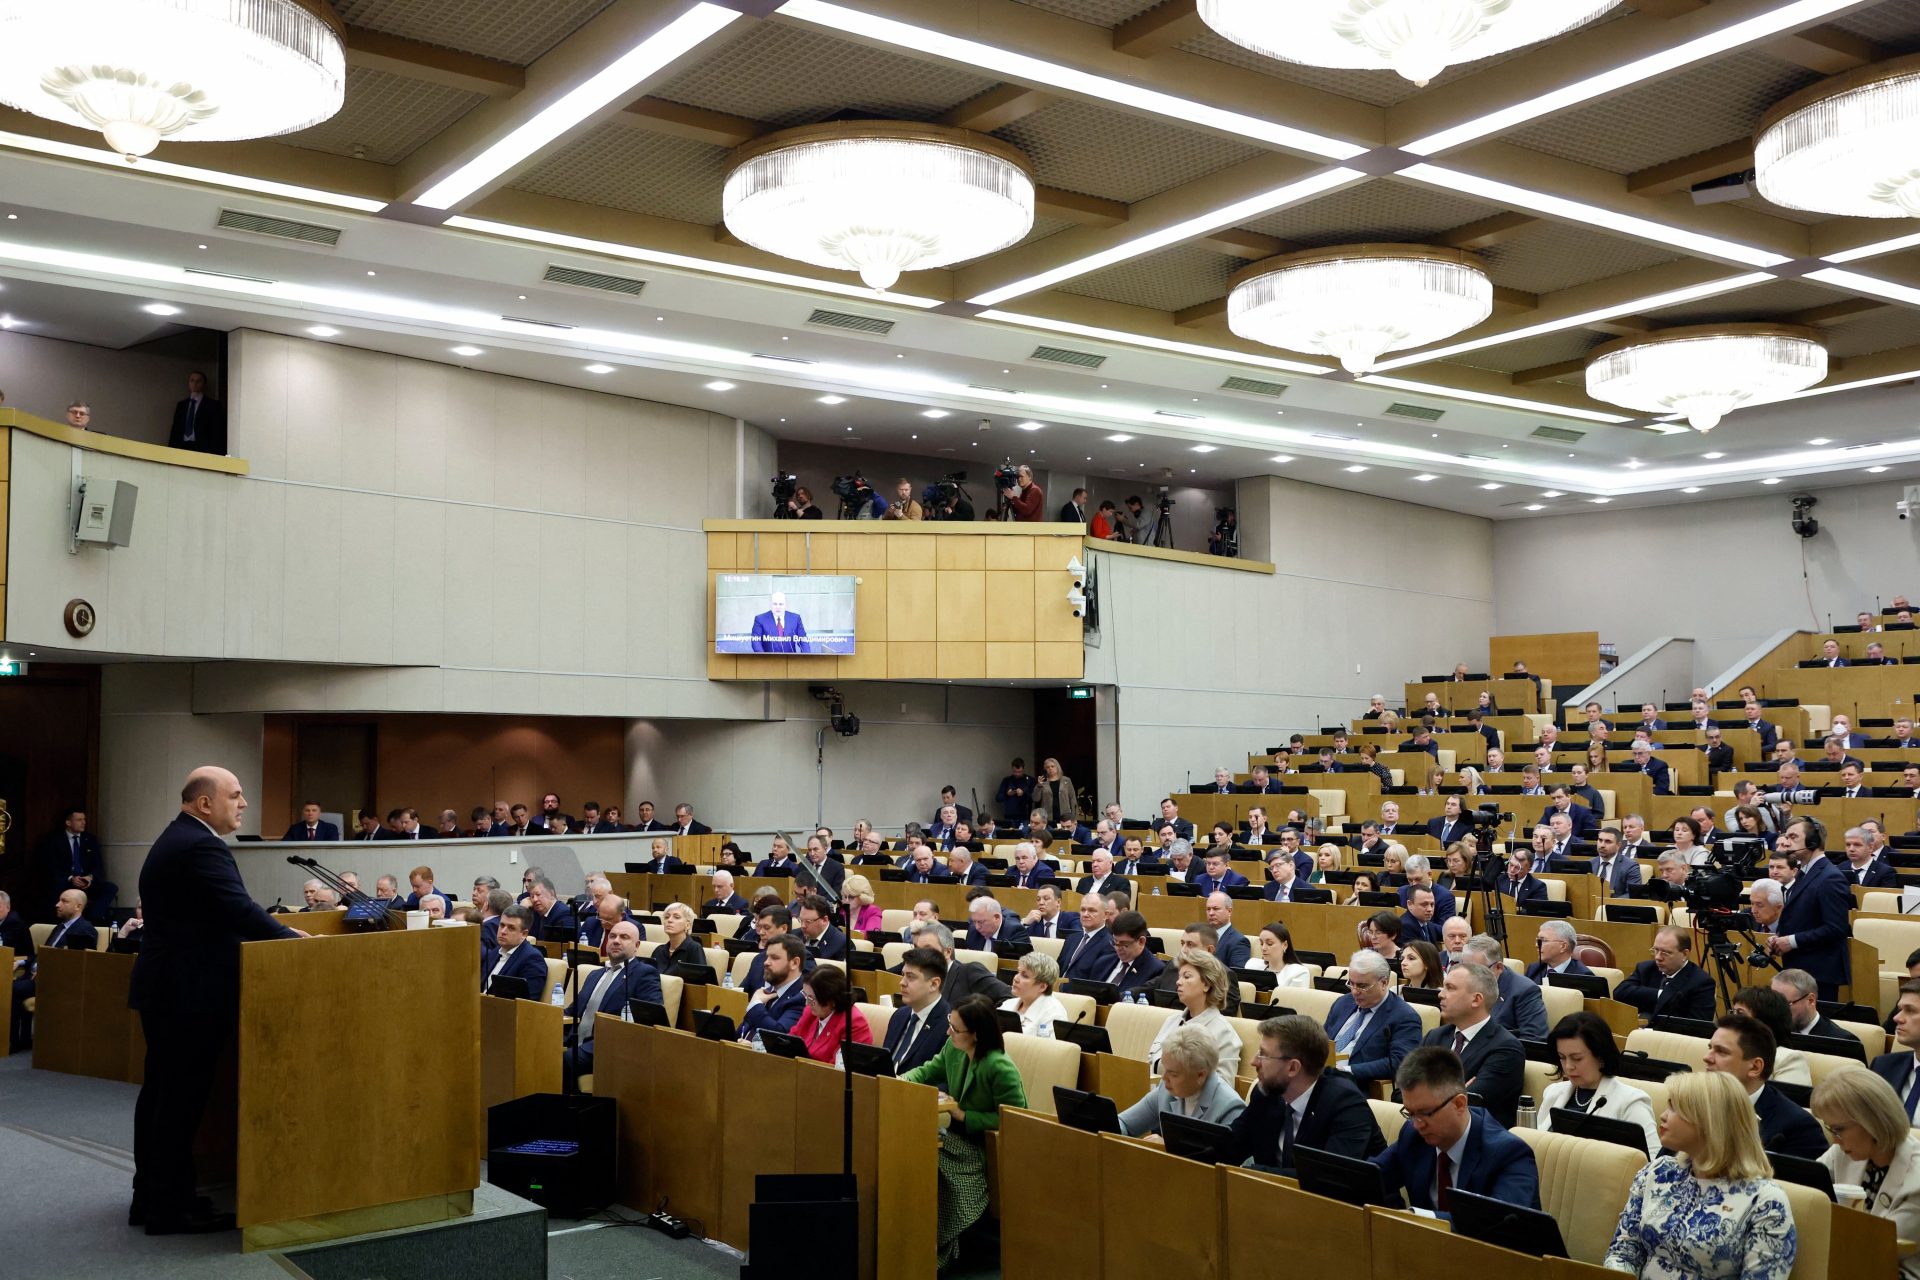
{"type": "Point", "coordinates": [1813, 927]}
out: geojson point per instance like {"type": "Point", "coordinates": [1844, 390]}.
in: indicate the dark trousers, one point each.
{"type": "Point", "coordinates": [184, 1050]}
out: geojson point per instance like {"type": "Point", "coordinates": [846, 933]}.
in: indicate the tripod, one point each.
{"type": "Point", "coordinates": [1161, 535]}
{"type": "Point", "coordinates": [1724, 954]}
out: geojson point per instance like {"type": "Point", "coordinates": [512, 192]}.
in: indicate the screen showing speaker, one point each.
{"type": "Point", "coordinates": [791, 614]}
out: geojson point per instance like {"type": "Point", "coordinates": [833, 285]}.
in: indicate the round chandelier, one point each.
{"type": "Point", "coordinates": [1359, 301]}
{"type": "Point", "coordinates": [1417, 38]}
{"type": "Point", "coordinates": [1703, 372]}
{"type": "Point", "coordinates": [144, 71]}
{"type": "Point", "coordinates": [878, 196]}
{"type": "Point", "coordinates": [1846, 145]}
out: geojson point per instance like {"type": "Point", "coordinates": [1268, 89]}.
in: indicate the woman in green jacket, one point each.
{"type": "Point", "coordinates": [975, 1078]}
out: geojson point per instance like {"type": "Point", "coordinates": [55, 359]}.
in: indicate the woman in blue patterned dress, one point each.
{"type": "Point", "coordinates": [1709, 1211]}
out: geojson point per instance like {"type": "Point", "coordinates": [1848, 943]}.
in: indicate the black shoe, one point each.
{"type": "Point", "coordinates": [137, 1211]}
{"type": "Point", "coordinates": [194, 1223]}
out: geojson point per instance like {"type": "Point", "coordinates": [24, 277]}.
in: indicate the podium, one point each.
{"type": "Point", "coordinates": [379, 1033]}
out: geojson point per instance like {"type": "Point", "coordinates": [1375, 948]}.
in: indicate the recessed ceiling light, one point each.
{"type": "Point", "coordinates": [1203, 448]}
{"type": "Point", "coordinates": [1692, 488]}
{"type": "Point", "coordinates": [1534, 506]}
{"type": "Point", "coordinates": [1118, 439]}
{"type": "Point", "coordinates": [1193, 471]}
{"type": "Point", "coordinates": [200, 246]}
{"type": "Point", "coordinates": [1029, 426]}
{"type": "Point", "coordinates": [1819, 440]}
{"type": "Point", "coordinates": [719, 384]}
{"type": "Point", "coordinates": [1633, 464]}
{"type": "Point", "coordinates": [833, 399]}
{"type": "Point", "coordinates": [14, 217]}
{"type": "Point", "coordinates": [1874, 471]}
{"type": "Point", "coordinates": [1493, 485]}
{"type": "Point", "coordinates": [467, 351]}
{"type": "Point", "coordinates": [934, 413]}
{"type": "Point", "coordinates": [1600, 502]}
{"type": "Point", "coordinates": [1281, 457]}
{"type": "Point", "coordinates": [1713, 457]}
{"type": "Point", "coordinates": [160, 309]}
{"type": "Point", "coordinates": [1771, 480]}
{"type": "Point", "coordinates": [323, 331]}
{"type": "Point", "coordinates": [1356, 469]}
{"type": "Point", "coordinates": [1553, 493]}
{"type": "Point", "coordinates": [373, 273]}
{"type": "Point", "coordinates": [599, 368]}
{"type": "Point", "coordinates": [1425, 476]}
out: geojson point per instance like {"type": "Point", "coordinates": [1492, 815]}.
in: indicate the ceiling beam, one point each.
{"type": "Point", "coordinates": [1487, 232]}
{"type": "Point", "coordinates": [1505, 299]}
{"type": "Point", "coordinates": [998, 107]}
{"type": "Point", "coordinates": [1071, 206]}
{"type": "Point", "coordinates": [1826, 49]}
{"type": "Point", "coordinates": [1167, 25]}
{"type": "Point", "coordinates": [1204, 313]}
{"type": "Point", "coordinates": [696, 124]}
{"type": "Point", "coordinates": [1548, 373]}
{"type": "Point", "coordinates": [1687, 171]}
{"type": "Point", "coordinates": [430, 64]}
{"type": "Point", "coordinates": [1622, 326]}
{"type": "Point", "coordinates": [1251, 245]}
{"type": "Point", "coordinates": [1836, 312]}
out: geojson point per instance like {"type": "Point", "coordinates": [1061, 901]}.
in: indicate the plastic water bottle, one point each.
{"type": "Point", "coordinates": [559, 995]}
{"type": "Point", "coordinates": [1156, 890]}
{"type": "Point", "coordinates": [1527, 1116]}
{"type": "Point", "coordinates": [726, 980]}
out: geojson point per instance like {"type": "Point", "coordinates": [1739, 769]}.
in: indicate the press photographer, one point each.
{"type": "Point", "coordinates": [1225, 538]}
{"type": "Point", "coordinates": [792, 500]}
{"type": "Point", "coordinates": [947, 498]}
{"type": "Point", "coordinates": [1020, 495]}
{"type": "Point", "coordinates": [858, 501]}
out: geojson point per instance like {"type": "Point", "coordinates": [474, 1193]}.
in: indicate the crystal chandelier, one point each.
{"type": "Point", "coordinates": [1846, 145]}
{"type": "Point", "coordinates": [141, 71]}
{"type": "Point", "coordinates": [1417, 38]}
{"type": "Point", "coordinates": [1358, 301]}
{"type": "Point", "coordinates": [878, 196]}
{"type": "Point", "coordinates": [1703, 372]}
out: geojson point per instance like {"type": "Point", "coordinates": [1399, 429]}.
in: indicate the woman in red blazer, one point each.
{"type": "Point", "coordinates": [829, 1005]}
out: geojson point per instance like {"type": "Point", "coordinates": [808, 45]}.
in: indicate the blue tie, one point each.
{"type": "Point", "coordinates": [1913, 1090]}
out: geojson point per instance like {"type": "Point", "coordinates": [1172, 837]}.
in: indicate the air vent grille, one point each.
{"type": "Point", "coordinates": [1061, 355]}
{"type": "Point", "coordinates": [229, 275]}
{"type": "Point", "coordinates": [846, 320]}
{"type": "Point", "coordinates": [1560, 435]}
{"type": "Point", "coordinates": [981, 386]}
{"type": "Point", "coordinates": [578, 279]}
{"type": "Point", "coordinates": [261, 224]}
{"type": "Point", "coordinates": [1254, 387]}
{"type": "Point", "coordinates": [1168, 413]}
{"type": "Point", "coordinates": [544, 324]}
{"type": "Point", "coordinates": [1418, 411]}
{"type": "Point", "coordinates": [761, 355]}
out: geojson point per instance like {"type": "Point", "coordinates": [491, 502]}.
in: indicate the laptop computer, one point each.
{"type": "Point", "coordinates": [783, 1044]}
{"type": "Point", "coordinates": [1078, 1109]}
{"type": "Point", "coordinates": [1090, 1038]}
{"type": "Point", "coordinates": [1510, 1226]}
{"type": "Point", "coordinates": [709, 1025]}
{"type": "Point", "coordinates": [1343, 1178]}
{"type": "Point", "coordinates": [1602, 1128]}
{"type": "Point", "coordinates": [647, 1013]}
{"type": "Point", "coordinates": [866, 1059]}
{"type": "Point", "coordinates": [1807, 1173]}
{"type": "Point", "coordinates": [1201, 1140]}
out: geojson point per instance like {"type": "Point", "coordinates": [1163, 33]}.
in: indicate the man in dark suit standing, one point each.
{"type": "Point", "coordinates": [70, 858]}
{"type": "Point", "coordinates": [310, 826]}
{"type": "Point", "coordinates": [1492, 1059]}
{"type": "Point", "coordinates": [1295, 1102]}
{"type": "Point", "coordinates": [186, 989]}
{"type": "Point", "coordinates": [1815, 924]}
{"type": "Point", "coordinates": [1481, 1156]}
{"type": "Point", "coordinates": [199, 421]}
{"type": "Point", "coordinates": [1075, 512]}
{"type": "Point", "coordinates": [918, 1026]}
{"type": "Point", "coordinates": [1669, 983]}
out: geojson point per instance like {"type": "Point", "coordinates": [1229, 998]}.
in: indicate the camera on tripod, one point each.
{"type": "Point", "coordinates": [1712, 891]}
{"type": "Point", "coordinates": [1166, 501]}
{"type": "Point", "coordinates": [1225, 538]}
{"type": "Point", "coordinates": [1006, 477]}
{"type": "Point", "coordinates": [855, 494]}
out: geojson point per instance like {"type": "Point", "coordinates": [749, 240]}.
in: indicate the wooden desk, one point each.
{"type": "Point", "coordinates": [1262, 1208]}
{"type": "Point", "coordinates": [1860, 692]}
{"type": "Point", "coordinates": [1037, 1240]}
{"type": "Point", "coordinates": [520, 1049]}
{"type": "Point", "coordinates": [1566, 657]}
{"type": "Point", "coordinates": [1519, 695]}
{"type": "Point", "coordinates": [81, 1023]}
{"type": "Point", "coordinates": [1185, 1192]}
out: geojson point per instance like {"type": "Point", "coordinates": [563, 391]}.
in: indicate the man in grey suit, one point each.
{"type": "Point", "coordinates": [1614, 865]}
{"type": "Point", "coordinates": [965, 977]}
{"type": "Point", "coordinates": [1520, 1007]}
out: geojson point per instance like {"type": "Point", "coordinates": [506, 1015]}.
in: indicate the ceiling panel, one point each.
{"type": "Point", "coordinates": [1180, 277]}
{"type": "Point", "coordinates": [1378, 211]}
{"type": "Point", "coordinates": [1882, 330]}
{"type": "Point", "coordinates": [516, 31]}
{"type": "Point", "coordinates": [1532, 353]}
{"type": "Point", "coordinates": [1774, 301]}
{"type": "Point", "coordinates": [1894, 23]}
{"type": "Point", "coordinates": [1099, 151]}
{"type": "Point", "coordinates": [1101, 13]}
{"type": "Point", "coordinates": [627, 168]}
{"type": "Point", "coordinates": [1677, 115]}
{"type": "Point", "coordinates": [385, 117]}
{"type": "Point", "coordinates": [1557, 255]}
{"type": "Point", "coordinates": [788, 75]}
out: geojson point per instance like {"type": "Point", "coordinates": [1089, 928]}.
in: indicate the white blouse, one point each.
{"type": "Point", "coordinates": [1040, 1016]}
{"type": "Point", "coordinates": [1218, 1029]}
{"type": "Point", "coordinates": [1623, 1102]}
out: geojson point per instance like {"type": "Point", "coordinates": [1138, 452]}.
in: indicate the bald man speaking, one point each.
{"type": "Point", "coordinates": [186, 988]}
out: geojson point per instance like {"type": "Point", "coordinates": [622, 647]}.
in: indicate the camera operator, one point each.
{"type": "Point", "coordinates": [858, 501]}
{"type": "Point", "coordinates": [1127, 522]}
{"type": "Point", "coordinates": [1025, 498]}
{"type": "Point", "coordinates": [946, 498]}
{"type": "Point", "coordinates": [1225, 538]}
{"type": "Point", "coordinates": [798, 505]}
{"type": "Point", "coordinates": [904, 507]}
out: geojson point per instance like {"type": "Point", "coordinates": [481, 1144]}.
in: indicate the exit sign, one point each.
{"type": "Point", "coordinates": [1080, 692]}
{"type": "Point", "coordinates": [11, 668]}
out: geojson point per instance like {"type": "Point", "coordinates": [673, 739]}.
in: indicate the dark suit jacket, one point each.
{"type": "Point", "coordinates": [1894, 1068]}
{"type": "Point", "coordinates": [1042, 873]}
{"type": "Point", "coordinates": [832, 873]}
{"type": "Point", "coordinates": [55, 857]}
{"type": "Point", "coordinates": [1720, 757]}
{"type": "Point", "coordinates": [1583, 819]}
{"type": "Point", "coordinates": [1234, 948]}
{"type": "Point", "coordinates": [688, 952]}
{"type": "Point", "coordinates": [601, 828]}
{"type": "Point", "coordinates": [1625, 872]}
{"type": "Point", "coordinates": [388, 833]}
{"type": "Point", "coordinates": [1113, 881]}
{"type": "Point", "coordinates": [209, 426]}
{"type": "Point", "coordinates": [1495, 1163]}
{"type": "Point", "coordinates": [1879, 875]}
{"type": "Point", "coordinates": [591, 930]}
{"type": "Point", "coordinates": [778, 1014]}
{"type": "Point", "coordinates": [1787, 1127]}
{"type": "Point", "coordinates": [1495, 1064]}
{"type": "Point", "coordinates": [637, 980]}
{"type": "Point", "coordinates": [1066, 923]}
{"type": "Point", "coordinates": [1661, 776]}
{"type": "Point", "coordinates": [1011, 930]}
{"type": "Point", "coordinates": [197, 913]}
{"type": "Point", "coordinates": [693, 829]}
{"type": "Point", "coordinates": [14, 934]}
{"type": "Point", "coordinates": [1767, 733]}
{"type": "Point", "coordinates": [1689, 995]}
{"type": "Point", "coordinates": [489, 945]}
{"type": "Point", "coordinates": [666, 866]}
{"type": "Point", "coordinates": [1816, 916]}
{"type": "Point", "coordinates": [1337, 1119]}
{"type": "Point", "coordinates": [1231, 880]}
{"type": "Point", "coordinates": [732, 903]}
{"type": "Point", "coordinates": [1537, 971]}
{"type": "Point", "coordinates": [528, 963]}
{"type": "Point", "coordinates": [831, 946]}
{"type": "Point", "coordinates": [1391, 1036]}
{"type": "Point", "coordinates": [791, 639]}
{"type": "Point", "coordinates": [324, 830]}
{"type": "Point", "coordinates": [1412, 930]}
{"type": "Point", "coordinates": [1531, 889]}
{"type": "Point", "coordinates": [1522, 1010]}
{"type": "Point", "coordinates": [1089, 956]}
{"type": "Point", "coordinates": [80, 935]}
{"type": "Point", "coordinates": [927, 1041]}
{"type": "Point", "coordinates": [561, 914]}
{"type": "Point", "coordinates": [1447, 832]}
{"type": "Point", "coordinates": [965, 978]}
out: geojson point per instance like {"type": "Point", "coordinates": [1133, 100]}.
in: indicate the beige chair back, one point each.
{"type": "Point", "coordinates": [985, 959]}
{"type": "Point", "coordinates": [1813, 1230]}
{"type": "Point", "coordinates": [1874, 1038]}
{"type": "Point", "coordinates": [1535, 1078]}
{"type": "Point", "coordinates": [1560, 1002]}
{"type": "Point", "coordinates": [39, 933]}
{"type": "Point", "coordinates": [894, 919]}
{"type": "Point", "coordinates": [1387, 1116]}
{"type": "Point", "coordinates": [742, 963]}
{"type": "Point", "coordinates": [1077, 1005]}
{"type": "Point", "coordinates": [1309, 1002]}
{"type": "Point", "coordinates": [672, 987]}
{"type": "Point", "coordinates": [1670, 1046]}
{"type": "Point", "coordinates": [1044, 1063]}
{"type": "Point", "coordinates": [1895, 940]}
{"type": "Point", "coordinates": [1132, 1027]}
{"type": "Point", "coordinates": [718, 960]}
{"type": "Point", "coordinates": [877, 1016]}
{"type": "Point", "coordinates": [1822, 1065]}
{"type": "Point", "coordinates": [1583, 1185]}
{"type": "Point", "coordinates": [1051, 946]}
{"type": "Point", "coordinates": [891, 952]}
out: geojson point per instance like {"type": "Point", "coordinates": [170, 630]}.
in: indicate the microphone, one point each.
{"type": "Point", "coordinates": [1597, 1103]}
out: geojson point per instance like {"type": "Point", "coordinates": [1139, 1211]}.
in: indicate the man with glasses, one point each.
{"type": "Point", "coordinates": [1134, 966]}
{"type": "Point", "coordinates": [1373, 1029]}
{"type": "Point", "coordinates": [1295, 1102]}
{"type": "Point", "coordinates": [1798, 989]}
{"type": "Point", "coordinates": [1669, 983]}
{"type": "Point", "coordinates": [1491, 1058]}
{"type": "Point", "coordinates": [1448, 1144]}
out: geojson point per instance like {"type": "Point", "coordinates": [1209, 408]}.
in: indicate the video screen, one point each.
{"type": "Point", "coordinates": [783, 613]}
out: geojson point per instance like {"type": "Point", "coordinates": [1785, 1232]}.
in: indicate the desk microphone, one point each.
{"type": "Point", "coordinates": [1080, 1017]}
{"type": "Point", "coordinates": [1595, 1105]}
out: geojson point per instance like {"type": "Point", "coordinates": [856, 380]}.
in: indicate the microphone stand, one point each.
{"type": "Point", "coordinates": [349, 896]}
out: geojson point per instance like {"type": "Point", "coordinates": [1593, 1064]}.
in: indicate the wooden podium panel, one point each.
{"type": "Point", "coordinates": [420, 1073]}
{"type": "Point", "coordinates": [520, 1048]}
{"type": "Point", "coordinates": [1404, 1245]}
{"type": "Point", "coordinates": [1139, 1245]}
{"type": "Point", "coordinates": [81, 1023]}
{"type": "Point", "coordinates": [1260, 1208]}
{"type": "Point", "coordinates": [1044, 1164]}
{"type": "Point", "coordinates": [905, 1135]}
{"type": "Point", "coordinates": [758, 1138]}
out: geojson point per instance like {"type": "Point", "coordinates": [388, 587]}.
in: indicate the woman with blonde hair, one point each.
{"type": "Point", "coordinates": [858, 891]}
{"type": "Point", "coordinates": [1873, 1149]}
{"type": "Point", "coordinates": [1033, 999]}
{"type": "Point", "coordinates": [1711, 1210]}
{"type": "Point", "coordinates": [1201, 987]}
{"type": "Point", "coordinates": [681, 948]}
{"type": "Point", "coordinates": [1053, 792]}
{"type": "Point", "coordinates": [1596, 758]}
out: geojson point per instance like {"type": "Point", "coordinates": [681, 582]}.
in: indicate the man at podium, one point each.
{"type": "Point", "coordinates": [186, 988]}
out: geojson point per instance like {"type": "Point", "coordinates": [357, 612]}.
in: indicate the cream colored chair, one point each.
{"type": "Point", "coordinates": [1132, 1027]}
{"type": "Point", "coordinates": [891, 953]}
{"type": "Point", "coordinates": [1669, 1046]}
{"type": "Point", "coordinates": [742, 963]}
{"type": "Point", "coordinates": [1880, 903]}
{"type": "Point", "coordinates": [557, 973]}
{"type": "Point", "coordinates": [1560, 1002]}
{"type": "Point", "coordinates": [1823, 1065]}
{"type": "Point", "coordinates": [672, 988]}
{"type": "Point", "coordinates": [1429, 1017]}
{"type": "Point", "coordinates": [1044, 1063]}
{"type": "Point", "coordinates": [985, 959]}
{"type": "Point", "coordinates": [1613, 976]}
{"type": "Point", "coordinates": [877, 1016]}
{"type": "Point", "coordinates": [1309, 1002]}
{"type": "Point", "coordinates": [39, 933]}
{"type": "Point", "coordinates": [1812, 1228]}
{"type": "Point", "coordinates": [1050, 946]}
{"type": "Point", "coordinates": [717, 960]}
{"type": "Point", "coordinates": [1170, 939]}
{"type": "Point", "coordinates": [1583, 1185]}
{"type": "Point", "coordinates": [725, 925]}
{"type": "Point", "coordinates": [895, 919]}
{"type": "Point", "coordinates": [1387, 1115]}
{"type": "Point", "coordinates": [1534, 1080]}
{"type": "Point", "coordinates": [1895, 940]}
{"type": "Point", "coordinates": [1874, 1038]}
{"type": "Point", "coordinates": [1249, 1029]}
{"type": "Point", "coordinates": [1078, 1005]}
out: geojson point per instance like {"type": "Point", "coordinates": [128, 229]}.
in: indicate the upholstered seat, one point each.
{"type": "Point", "coordinates": [1044, 1063]}
{"type": "Point", "coordinates": [1583, 1184]}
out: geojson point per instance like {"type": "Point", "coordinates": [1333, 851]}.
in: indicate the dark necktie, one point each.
{"type": "Point", "coordinates": [1459, 1044]}
{"type": "Point", "coordinates": [193, 411]}
{"type": "Point", "coordinates": [77, 869]}
{"type": "Point", "coordinates": [906, 1040]}
{"type": "Point", "coordinates": [1913, 1090]}
{"type": "Point", "coordinates": [1443, 1197]}
{"type": "Point", "coordinates": [1286, 1136]}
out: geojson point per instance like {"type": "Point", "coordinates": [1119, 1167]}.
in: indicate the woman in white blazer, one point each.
{"type": "Point", "coordinates": [1873, 1149]}
{"type": "Point", "coordinates": [1033, 997]}
{"type": "Point", "coordinates": [1277, 957]}
{"type": "Point", "coordinates": [1189, 1085]}
{"type": "Point", "coordinates": [1201, 985]}
{"type": "Point", "coordinates": [1589, 1061]}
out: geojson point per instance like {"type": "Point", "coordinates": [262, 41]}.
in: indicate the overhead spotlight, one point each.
{"type": "Point", "coordinates": [1735, 186]}
{"type": "Point", "coordinates": [161, 309]}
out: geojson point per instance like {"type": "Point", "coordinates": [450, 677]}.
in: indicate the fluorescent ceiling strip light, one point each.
{"type": "Point", "coordinates": [1483, 397]}
{"type": "Point", "coordinates": [1826, 459]}
{"type": "Point", "coordinates": [1227, 216]}
{"type": "Point", "coordinates": [1828, 388]}
{"type": "Point", "coordinates": [1031, 70]}
{"type": "Point", "coordinates": [187, 173]}
{"type": "Point", "coordinates": [613, 83]}
{"type": "Point", "coordinates": [1858, 283]}
{"type": "Point", "coordinates": [1788, 17]}
{"type": "Point", "coordinates": [1652, 302]}
{"type": "Point", "coordinates": [1874, 250]}
{"type": "Point", "coordinates": [1157, 344]}
{"type": "Point", "coordinates": [535, 235]}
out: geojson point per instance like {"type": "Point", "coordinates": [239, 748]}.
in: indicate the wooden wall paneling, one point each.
{"type": "Point", "coordinates": [1139, 1245]}
{"type": "Point", "coordinates": [1038, 1158]}
{"type": "Point", "coordinates": [755, 1133]}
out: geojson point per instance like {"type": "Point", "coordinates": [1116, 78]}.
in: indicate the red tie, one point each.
{"type": "Point", "coordinates": [1443, 1199]}
{"type": "Point", "coordinates": [779, 626]}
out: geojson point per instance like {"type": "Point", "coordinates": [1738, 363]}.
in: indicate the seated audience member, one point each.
{"type": "Point", "coordinates": [724, 900]}
{"type": "Point", "coordinates": [1190, 1084]}
{"type": "Point", "coordinates": [1033, 999]}
{"type": "Point", "coordinates": [776, 1004]}
{"type": "Point", "coordinates": [318, 897]}
{"type": "Point", "coordinates": [918, 1027]}
{"type": "Point", "coordinates": [1047, 920]}
{"type": "Point", "coordinates": [779, 862]}
{"type": "Point", "coordinates": [518, 957]}
{"type": "Point", "coordinates": [829, 1016]}
{"type": "Point", "coordinates": [1520, 1007]}
{"type": "Point", "coordinates": [1373, 1029]}
{"type": "Point", "coordinates": [1420, 965]}
{"type": "Point", "coordinates": [732, 858]}
{"type": "Point", "coordinates": [1669, 983]}
{"type": "Point", "coordinates": [623, 977]}
{"type": "Point", "coordinates": [1588, 1077]}
{"type": "Point", "coordinates": [72, 930]}
{"type": "Point", "coordinates": [988, 922]}
{"type": "Point", "coordinates": [1873, 1149]}
{"type": "Point", "coordinates": [1555, 941]}
{"type": "Point", "coordinates": [549, 911]}
{"type": "Point", "coordinates": [660, 861]}
{"type": "Point", "coordinates": [1295, 1102]}
{"type": "Point", "coordinates": [1231, 945]}
{"type": "Point", "coordinates": [962, 869]}
{"type": "Point", "coordinates": [1493, 1060]}
{"type": "Point", "coordinates": [483, 887]}
{"type": "Point", "coordinates": [370, 828]}
{"type": "Point", "coordinates": [1088, 952]}
{"type": "Point", "coordinates": [963, 978]}
{"type": "Point", "coordinates": [435, 907]}
{"type": "Point", "coordinates": [771, 920]}
{"type": "Point", "coordinates": [1711, 1209]}
{"type": "Point", "coordinates": [1363, 882]}
{"type": "Point", "coordinates": [311, 826]}
{"type": "Point", "coordinates": [818, 872]}
{"type": "Point", "coordinates": [1134, 966]}
{"type": "Point", "coordinates": [867, 916]}
{"type": "Point", "coordinates": [684, 824]}
{"type": "Point", "coordinates": [975, 1078]}
{"type": "Point", "coordinates": [824, 940]}
{"type": "Point", "coordinates": [681, 948]}
{"type": "Point", "coordinates": [1201, 987]}
{"type": "Point", "coordinates": [1480, 1155]}
{"type": "Point", "coordinates": [1790, 1065]}
{"type": "Point", "coordinates": [1216, 876]}
{"type": "Point", "coordinates": [1897, 1068]}
{"type": "Point", "coordinates": [421, 878]}
{"type": "Point", "coordinates": [125, 939]}
{"type": "Point", "coordinates": [1419, 924]}
{"type": "Point", "coordinates": [1743, 1048]}
{"type": "Point", "coordinates": [609, 911]}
